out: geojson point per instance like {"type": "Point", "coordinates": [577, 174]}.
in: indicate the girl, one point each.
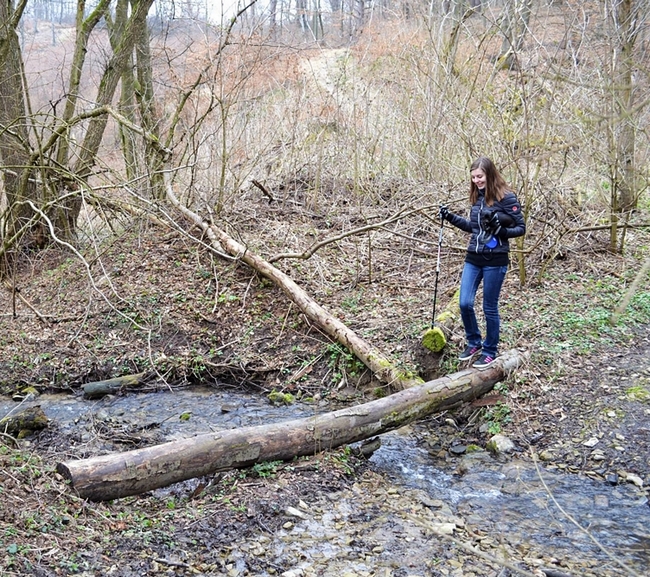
{"type": "Point", "coordinates": [495, 217]}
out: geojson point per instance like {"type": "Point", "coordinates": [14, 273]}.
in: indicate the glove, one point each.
{"type": "Point", "coordinates": [495, 224]}
{"type": "Point", "coordinates": [443, 213]}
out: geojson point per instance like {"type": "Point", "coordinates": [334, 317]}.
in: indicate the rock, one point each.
{"type": "Point", "coordinates": [601, 501]}
{"type": "Point", "coordinates": [597, 455]}
{"type": "Point", "coordinates": [612, 478]}
{"type": "Point", "coordinates": [546, 455]}
{"type": "Point", "coordinates": [630, 478]}
{"type": "Point", "coordinates": [293, 512]}
{"type": "Point", "coordinates": [500, 444]}
{"type": "Point", "coordinates": [458, 449]}
{"type": "Point", "coordinates": [26, 394]}
{"type": "Point", "coordinates": [429, 502]}
{"type": "Point", "coordinates": [444, 528]}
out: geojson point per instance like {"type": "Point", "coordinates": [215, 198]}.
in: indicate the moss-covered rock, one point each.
{"type": "Point", "coordinates": [434, 339]}
{"type": "Point", "coordinates": [279, 398]}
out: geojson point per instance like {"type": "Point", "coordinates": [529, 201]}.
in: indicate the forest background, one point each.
{"type": "Point", "coordinates": [140, 138]}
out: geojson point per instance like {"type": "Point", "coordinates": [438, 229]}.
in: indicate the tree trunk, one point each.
{"type": "Point", "coordinates": [127, 106]}
{"type": "Point", "coordinates": [148, 113]}
{"type": "Point", "coordinates": [623, 93]}
{"type": "Point", "coordinates": [131, 473]}
{"type": "Point", "coordinates": [64, 213]}
{"type": "Point", "coordinates": [19, 219]}
{"type": "Point", "coordinates": [514, 24]}
{"type": "Point", "coordinates": [108, 85]}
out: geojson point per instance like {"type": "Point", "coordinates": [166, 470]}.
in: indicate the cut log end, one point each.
{"type": "Point", "coordinates": [434, 339]}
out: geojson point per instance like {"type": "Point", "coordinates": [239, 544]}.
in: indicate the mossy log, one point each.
{"type": "Point", "coordinates": [449, 318]}
{"type": "Point", "coordinates": [119, 475]}
{"type": "Point", "coordinates": [99, 389]}
{"type": "Point", "coordinates": [25, 423]}
{"type": "Point", "coordinates": [450, 315]}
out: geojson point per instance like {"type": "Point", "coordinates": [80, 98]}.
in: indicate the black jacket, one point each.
{"type": "Point", "coordinates": [477, 252]}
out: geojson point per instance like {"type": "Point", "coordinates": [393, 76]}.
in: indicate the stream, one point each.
{"type": "Point", "coordinates": [535, 508]}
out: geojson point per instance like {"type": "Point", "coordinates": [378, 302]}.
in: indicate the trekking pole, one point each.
{"type": "Point", "coordinates": [434, 338]}
{"type": "Point", "coordinates": [435, 288]}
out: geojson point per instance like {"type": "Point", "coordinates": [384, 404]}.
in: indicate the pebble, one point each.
{"type": "Point", "coordinates": [601, 501]}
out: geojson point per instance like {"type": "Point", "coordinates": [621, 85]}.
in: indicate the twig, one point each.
{"type": "Point", "coordinates": [265, 191]}
{"type": "Point", "coordinates": [11, 439]}
{"type": "Point", "coordinates": [173, 563]}
{"type": "Point", "coordinates": [16, 291]}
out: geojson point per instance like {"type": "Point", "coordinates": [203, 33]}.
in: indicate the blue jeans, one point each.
{"type": "Point", "coordinates": [492, 277]}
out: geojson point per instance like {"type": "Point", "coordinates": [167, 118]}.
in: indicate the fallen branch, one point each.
{"type": "Point", "coordinates": [320, 244]}
{"type": "Point", "coordinates": [383, 368]}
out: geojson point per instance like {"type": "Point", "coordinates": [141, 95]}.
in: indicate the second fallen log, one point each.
{"type": "Point", "coordinates": [99, 389]}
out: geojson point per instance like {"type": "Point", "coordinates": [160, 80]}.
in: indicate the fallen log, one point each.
{"type": "Point", "coordinates": [383, 368]}
{"type": "Point", "coordinates": [119, 475]}
{"type": "Point", "coordinates": [99, 389]}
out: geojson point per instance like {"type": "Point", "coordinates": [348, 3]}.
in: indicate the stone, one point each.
{"type": "Point", "coordinates": [293, 512]}
{"type": "Point", "coordinates": [500, 444]}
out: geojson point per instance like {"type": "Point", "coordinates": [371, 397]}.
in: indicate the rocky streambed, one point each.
{"type": "Point", "coordinates": [407, 512]}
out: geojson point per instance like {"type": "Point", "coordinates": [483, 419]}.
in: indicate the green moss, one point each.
{"type": "Point", "coordinates": [473, 449]}
{"type": "Point", "coordinates": [638, 393]}
{"type": "Point", "coordinates": [278, 398]}
{"type": "Point", "coordinates": [444, 316]}
{"type": "Point", "coordinates": [434, 339]}
{"type": "Point", "coordinates": [492, 447]}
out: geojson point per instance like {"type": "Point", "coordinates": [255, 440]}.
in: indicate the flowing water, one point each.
{"type": "Point", "coordinates": [562, 513]}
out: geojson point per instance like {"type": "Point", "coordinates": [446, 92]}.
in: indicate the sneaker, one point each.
{"type": "Point", "coordinates": [469, 352]}
{"type": "Point", "coordinates": [484, 362]}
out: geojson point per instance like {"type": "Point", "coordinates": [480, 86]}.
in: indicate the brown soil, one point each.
{"type": "Point", "coordinates": [159, 303]}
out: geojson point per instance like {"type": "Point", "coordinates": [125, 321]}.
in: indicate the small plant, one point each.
{"type": "Point", "coordinates": [350, 303]}
{"type": "Point", "coordinates": [502, 388]}
{"type": "Point", "coordinates": [266, 469]}
{"type": "Point", "coordinates": [343, 458]}
{"type": "Point", "coordinates": [497, 416]}
{"type": "Point", "coordinates": [343, 362]}
{"type": "Point", "coordinates": [638, 393]}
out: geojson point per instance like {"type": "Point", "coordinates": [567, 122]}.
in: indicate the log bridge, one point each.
{"type": "Point", "coordinates": [134, 472]}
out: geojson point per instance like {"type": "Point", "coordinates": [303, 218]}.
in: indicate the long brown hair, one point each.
{"type": "Point", "coordinates": [495, 186]}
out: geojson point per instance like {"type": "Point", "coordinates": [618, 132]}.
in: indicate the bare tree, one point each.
{"type": "Point", "coordinates": [627, 17]}
{"type": "Point", "coordinates": [515, 21]}
{"type": "Point", "coordinates": [19, 186]}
